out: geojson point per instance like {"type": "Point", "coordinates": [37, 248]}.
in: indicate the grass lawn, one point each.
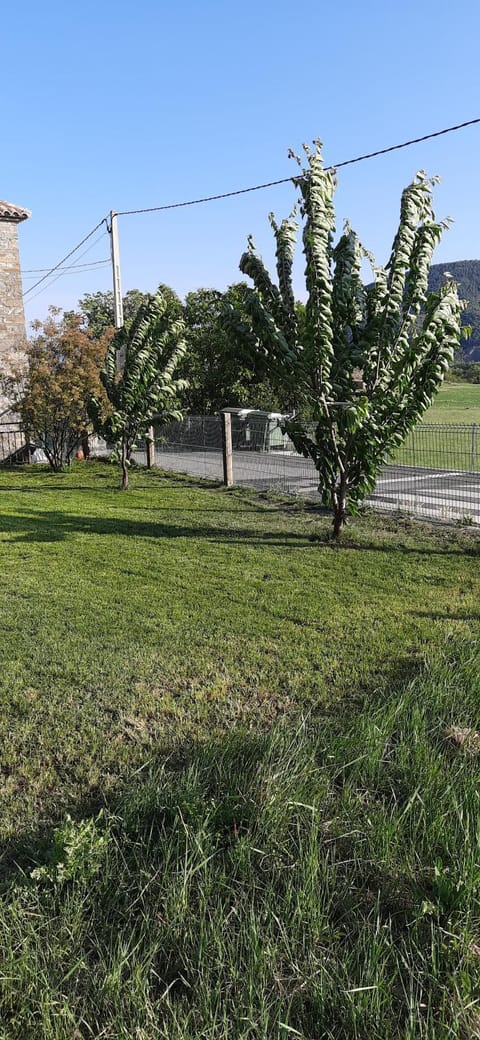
{"type": "Point", "coordinates": [455, 403]}
{"type": "Point", "coordinates": [444, 448]}
{"type": "Point", "coordinates": [450, 448]}
{"type": "Point", "coordinates": [289, 838]}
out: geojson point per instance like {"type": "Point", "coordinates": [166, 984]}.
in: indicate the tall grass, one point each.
{"type": "Point", "coordinates": [321, 881]}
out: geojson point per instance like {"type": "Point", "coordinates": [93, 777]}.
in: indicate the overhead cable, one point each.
{"type": "Point", "coordinates": [66, 257]}
{"type": "Point", "coordinates": [286, 180]}
{"type": "Point", "coordinates": [244, 191]}
{"type": "Point", "coordinates": [59, 273]}
{"type": "Point", "coordinates": [71, 267]}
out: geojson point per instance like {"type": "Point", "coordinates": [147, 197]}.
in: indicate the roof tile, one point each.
{"type": "Point", "coordinates": [8, 211]}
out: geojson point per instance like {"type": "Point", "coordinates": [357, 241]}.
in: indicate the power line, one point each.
{"type": "Point", "coordinates": [60, 274]}
{"type": "Point", "coordinates": [45, 287]}
{"type": "Point", "coordinates": [286, 180]}
{"type": "Point", "coordinates": [71, 267]}
{"type": "Point", "coordinates": [67, 257]}
{"type": "Point", "coordinates": [406, 144]}
{"type": "Point", "coordinates": [244, 191]}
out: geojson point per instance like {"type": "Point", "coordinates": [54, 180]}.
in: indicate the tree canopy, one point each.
{"type": "Point", "coordinates": [61, 372]}
{"type": "Point", "coordinates": [219, 370]}
{"type": "Point", "coordinates": [367, 360]}
{"type": "Point", "coordinates": [98, 313]}
{"type": "Point", "coordinates": [140, 376]}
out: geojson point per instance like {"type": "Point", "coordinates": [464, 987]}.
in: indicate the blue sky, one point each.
{"type": "Point", "coordinates": [116, 105]}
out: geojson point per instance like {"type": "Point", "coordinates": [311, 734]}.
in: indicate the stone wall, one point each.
{"type": "Point", "coordinates": [12, 317]}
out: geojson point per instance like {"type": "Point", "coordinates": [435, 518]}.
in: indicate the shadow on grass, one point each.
{"type": "Point", "coordinates": [45, 479]}
{"type": "Point", "coordinates": [245, 507]}
{"type": "Point", "coordinates": [243, 739]}
{"type": "Point", "coordinates": [53, 526]}
{"type": "Point", "coordinates": [57, 526]}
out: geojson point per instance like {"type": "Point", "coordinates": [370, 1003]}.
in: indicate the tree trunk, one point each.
{"type": "Point", "coordinates": [85, 444]}
{"type": "Point", "coordinates": [54, 456]}
{"type": "Point", "coordinates": [340, 506]}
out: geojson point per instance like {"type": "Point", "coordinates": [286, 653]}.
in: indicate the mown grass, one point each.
{"type": "Point", "coordinates": [133, 620]}
{"type": "Point", "coordinates": [289, 838]}
{"type": "Point", "coordinates": [455, 403]}
{"type": "Point", "coordinates": [438, 442]}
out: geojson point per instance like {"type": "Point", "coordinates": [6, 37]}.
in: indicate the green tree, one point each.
{"type": "Point", "coordinates": [98, 308]}
{"type": "Point", "coordinates": [219, 368]}
{"type": "Point", "coordinates": [61, 372]}
{"type": "Point", "coordinates": [368, 359]}
{"type": "Point", "coordinates": [466, 371]}
{"type": "Point", "coordinates": [221, 371]}
{"type": "Point", "coordinates": [140, 376]}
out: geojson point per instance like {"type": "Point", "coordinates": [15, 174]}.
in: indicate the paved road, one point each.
{"type": "Point", "coordinates": [440, 494]}
{"type": "Point", "coordinates": [443, 494]}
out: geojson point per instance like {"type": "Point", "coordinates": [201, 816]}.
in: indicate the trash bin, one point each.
{"type": "Point", "coordinates": [256, 430]}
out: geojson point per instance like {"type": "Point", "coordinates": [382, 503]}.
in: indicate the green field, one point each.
{"type": "Point", "coordinates": [446, 447]}
{"type": "Point", "coordinates": [439, 442]}
{"type": "Point", "coordinates": [455, 403]}
{"type": "Point", "coordinates": [281, 734]}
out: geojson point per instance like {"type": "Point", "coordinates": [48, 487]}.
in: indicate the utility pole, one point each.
{"type": "Point", "coordinates": [117, 281]}
{"type": "Point", "coordinates": [119, 322]}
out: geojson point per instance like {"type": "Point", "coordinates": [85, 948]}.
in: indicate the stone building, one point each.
{"type": "Point", "coordinates": [12, 317]}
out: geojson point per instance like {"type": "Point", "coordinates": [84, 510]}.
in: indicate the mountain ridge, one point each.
{"type": "Point", "coordinates": [467, 274]}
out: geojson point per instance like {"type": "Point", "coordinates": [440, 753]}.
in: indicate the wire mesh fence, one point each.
{"type": "Point", "coordinates": [192, 446]}
{"type": "Point", "coordinates": [17, 447]}
{"type": "Point", "coordinates": [442, 447]}
{"type": "Point", "coordinates": [435, 473]}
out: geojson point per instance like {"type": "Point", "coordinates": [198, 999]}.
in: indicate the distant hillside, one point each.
{"type": "Point", "coordinates": [467, 274]}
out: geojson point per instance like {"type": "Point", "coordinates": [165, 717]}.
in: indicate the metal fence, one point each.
{"type": "Point", "coordinates": [193, 446]}
{"type": "Point", "coordinates": [17, 447]}
{"type": "Point", "coordinates": [14, 447]}
{"type": "Point", "coordinates": [435, 474]}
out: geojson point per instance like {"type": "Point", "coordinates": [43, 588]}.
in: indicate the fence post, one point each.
{"type": "Point", "coordinates": [474, 447]}
{"type": "Point", "coordinates": [150, 447]}
{"type": "Point", "coordinates": [227, 449]}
